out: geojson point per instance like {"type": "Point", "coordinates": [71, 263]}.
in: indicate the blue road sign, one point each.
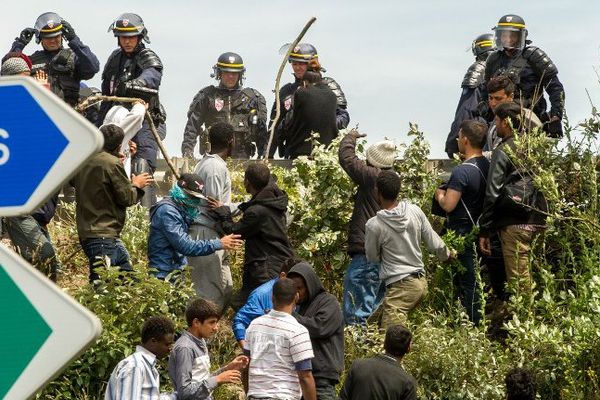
{"type": "Point", "coordinates": [42, 143]}
{"type": "Point", "coordinates": [34, 144]}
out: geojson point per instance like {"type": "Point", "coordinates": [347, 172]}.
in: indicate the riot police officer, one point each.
{"type": "Point", "coordinates": [65, 67]}
{"type": "Point", "coordinates": [133, 70]}
{"type": "Point", "coordinates": [472, 86]}
{"type": "Point", "coordinates": [299, 59]}
{"type": "Point", "coordinates": [530, 69]}
{"type": "Point", "coordinates": [243, 108]}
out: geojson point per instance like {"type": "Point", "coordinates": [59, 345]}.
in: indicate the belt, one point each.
{"type": "Point", "coordinates": [414, 275]}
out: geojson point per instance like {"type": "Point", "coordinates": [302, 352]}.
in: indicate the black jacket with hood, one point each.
{"type": "Point", "coordinates": [264, 230]}
{"type": "Point", "coordinates": [321, 315]}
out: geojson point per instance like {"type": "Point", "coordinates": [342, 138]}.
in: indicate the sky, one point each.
{"type": "Point", "coordinates": [397, 61]}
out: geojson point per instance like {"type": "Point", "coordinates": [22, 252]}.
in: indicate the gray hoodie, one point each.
{"type": "Point", "coordinates": [393, 239]}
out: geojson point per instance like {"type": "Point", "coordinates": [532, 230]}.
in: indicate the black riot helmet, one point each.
{"type": "Point", "coordinates": [303, 52]}
{"type": "Point", "coordinates": [483, 44]}
{"type": "Point", "coordinates": [129, 24]}
{"type": "Point", "coordinates": [511, 32]}
{"type": "Point", "coordinates": [48, 25]}
{"type": "Point", "coordinates": [229, 62]}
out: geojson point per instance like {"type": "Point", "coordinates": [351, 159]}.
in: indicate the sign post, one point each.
{"type": "Point", "coordinates": [43, 142]}
{"type": "Point", "coordinates": [43, 329]}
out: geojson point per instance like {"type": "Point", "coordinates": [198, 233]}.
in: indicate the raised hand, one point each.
{"type": "Point", "coordinates": [68, 31]}
{"type": "Point", "coordinates": [26, 35]}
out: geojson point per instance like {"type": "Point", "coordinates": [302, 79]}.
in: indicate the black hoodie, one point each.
{"type": "Point", "coordinates": [263, 227]}
{"type": "Point", "coordinates": [321, 314]}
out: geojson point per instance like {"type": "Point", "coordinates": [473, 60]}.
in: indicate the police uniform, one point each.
{"type": "Point", "coordinates": [66, 67]}
{"type": "Point", "coordinates": [136, 75]}
{"type": "Point", "coordinates": [472, 87]}
{"type": "Point", "coordinates": [530, 69]}
{"type": "Point", "coordinates": [243, 108]}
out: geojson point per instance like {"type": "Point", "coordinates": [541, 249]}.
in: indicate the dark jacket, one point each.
{"type": "Point", "coordinates": [365, 203]}
{"type": "Point", "coordinates": [378, 378]}
{"type": "Point", "coordinates": [263, 227]}
{"type": "Point", "coordinates": [321, 314]}
{"type": "Point", "coordinates": [494, 216]}
{"type": "Point", "coordinates": [169, 242]}
{"type": "Point", "coordinates": [65, 83]}
{"type": "Point", "coordinates": [143, 68]}
{"type": "Point", "coordinates": [45, 213]}
{"type": "Point", "coordinates": [103, 192]}
{"type": "Point", "coordinates": [539, 73]}
{"type": "Point", "coordinates": [472, 86]}
{"type": "Point", "coordinates": [314, 111]}
{"type": "Point", "coordinates": [286, 94]}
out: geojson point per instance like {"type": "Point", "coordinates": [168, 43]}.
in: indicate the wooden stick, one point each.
{"type": "Point", "coordinates": [279, 72]}
{"type": "Point", "coordinates": [90, 101]}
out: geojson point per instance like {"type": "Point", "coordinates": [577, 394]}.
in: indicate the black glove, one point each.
{"type": "Point", "coordinates": [25, 36]}
{"type": "Point", "coordinates": [250, 149]}
{"type": "Point", "coordinates": [484, 111]}
{"type": "Point", "coordinates": [554, 129]}
{"type": "Point", "coordinates": [68, 31]}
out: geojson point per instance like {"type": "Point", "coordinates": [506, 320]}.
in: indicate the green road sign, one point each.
{"type": "Point", "coordinates": [43, 329]}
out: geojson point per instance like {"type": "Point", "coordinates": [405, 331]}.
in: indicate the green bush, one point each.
{"type": "Point", "coordinates": [556, 332]}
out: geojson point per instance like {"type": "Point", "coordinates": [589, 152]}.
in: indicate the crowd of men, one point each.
{"type": "Point", "coordinates": [289, 327]}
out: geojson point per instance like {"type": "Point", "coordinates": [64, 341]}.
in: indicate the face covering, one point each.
{"type": "Point", "coordinates": [190, 204]}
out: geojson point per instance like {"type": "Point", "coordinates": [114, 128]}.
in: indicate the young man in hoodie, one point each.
{"type": "Point", "coordinates": [262, 226]}
{"type": "Point", "coordinates": [319, 312]}
{"type": "Point", "coordinates": [168, 241]}
{"type": "Point", "coordinates": [393, 238]}
{"type": "Point", "coordinates": [363, 290]}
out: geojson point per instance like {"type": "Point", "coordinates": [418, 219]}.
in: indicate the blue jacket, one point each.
{"type": "Point", "coordinates": [258, 303]}
{"type": "Point", "coordinates": [169, 242]}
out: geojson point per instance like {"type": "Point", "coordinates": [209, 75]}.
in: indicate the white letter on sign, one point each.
{"type": "Point", "coordinates": [4, 152]}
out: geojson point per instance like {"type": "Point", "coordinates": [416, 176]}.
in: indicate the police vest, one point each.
{"type": "Point", "coordinates": [60, 67]}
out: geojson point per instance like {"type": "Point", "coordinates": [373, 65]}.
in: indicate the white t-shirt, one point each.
{"type": "Point", "coordinates": [276, 342]}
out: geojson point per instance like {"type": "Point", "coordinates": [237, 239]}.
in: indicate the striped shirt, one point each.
{"type": "Point", "coordinates": [276, 343]}
{"type": "Point", "coordinates": [136, 378]}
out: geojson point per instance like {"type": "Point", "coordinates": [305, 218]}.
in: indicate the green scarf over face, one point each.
{"type": "Point", "coordinates": [190, 204]}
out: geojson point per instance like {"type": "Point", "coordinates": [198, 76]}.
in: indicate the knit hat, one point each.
{"type": "Point", "coordinates": [14, 66]}
{"type": "Point", "coordinates": [382, 154]}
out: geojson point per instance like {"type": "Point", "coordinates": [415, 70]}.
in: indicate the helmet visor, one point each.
{"type": "Point", "coordinates": [510, 37]}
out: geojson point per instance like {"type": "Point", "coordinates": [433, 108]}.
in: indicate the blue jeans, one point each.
{"type": "Point", "coordinates": [33, 243]}
{"type": "Point", "coordinates": [363, 290]}
{"type": "Point", "coordinates": [98, 249]}
{"type": "Point", "coordinates": [466, 282]}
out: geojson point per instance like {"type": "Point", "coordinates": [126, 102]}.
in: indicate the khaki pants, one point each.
{"type": "Point", "coordinates": [400, 298]}
{"type": "Point", "coordinates": [210, 274]}
{"type": "Point", "coordinates": [516, 246]}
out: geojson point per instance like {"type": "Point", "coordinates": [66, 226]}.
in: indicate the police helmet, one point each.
{"type": "Point", "coordinates": [483, 44]}
{"type": "Point", "coordinates": [303, 52]}
{"type": "Point", "coordinates": [511, 32]}
{"type": "Point", "coordinates": [48, 25]}
{"type": "Point", "coordinates": [129, 24]}
{"type": "Point", "coordinates": [229, 62]}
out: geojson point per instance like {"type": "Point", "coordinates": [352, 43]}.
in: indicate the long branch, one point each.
{"type": "Point", "coordinates": [278, 79]}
